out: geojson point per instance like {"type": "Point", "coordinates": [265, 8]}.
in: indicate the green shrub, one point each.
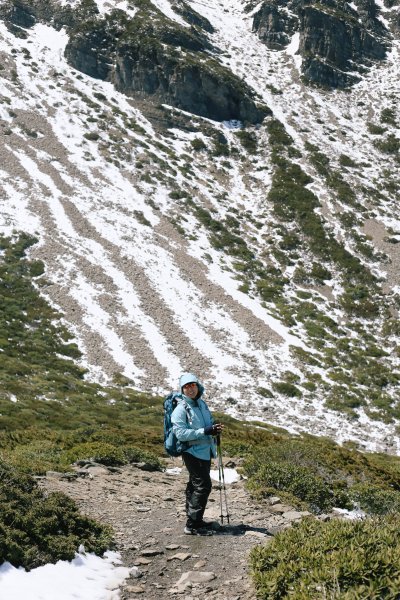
{"type": "Point", "coordinates": [198, 144]}
{"type": "Point", "coordinates": [346, 161]}
{"type": "Point", "coordinates": [374, 499]}
{"type": "Point", "coordinates": [390, 145]}
{"type": "Point", "coordinates": [287, 389]}
{"type": "Point", "coordinates": [100, 452]}
{"type": "Point", "coordinates": [92, 136]}
{"type": "Point", "coordinates": [338, 559]}
{"type": "Point", "coordinates": [248, 139]}
{"type": "Point", "coordinates": [264, 392]}
{"type": "Point", "coordinates": [299, 481]}
{"type": "Point", "coordinates": [388, 116]}
{"type": "Point", "coordinates": [37, 457]}
{"type": "Point", "coordinates": [376, 129]}
{"type": "Point", "coordinates": [137, 455]}
{"type": "Point", "coordinates": [36, 529]}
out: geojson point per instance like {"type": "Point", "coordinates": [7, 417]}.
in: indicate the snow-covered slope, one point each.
{"type": "Point", "coordinates": [113, 199]}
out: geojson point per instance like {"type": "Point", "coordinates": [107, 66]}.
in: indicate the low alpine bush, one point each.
{"type": "Point", "coordinates": [338, 559]}
{"type": "Point", "coordinates": [36, 529]}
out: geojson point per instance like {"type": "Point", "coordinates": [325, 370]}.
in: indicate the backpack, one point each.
{"type": "Point", "coordinates": [171, 443]}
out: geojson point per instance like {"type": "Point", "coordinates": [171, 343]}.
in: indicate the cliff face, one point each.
{"type": "Point", "coordinates": [334, 43]}
{"type": "Point", "coordinates": [336, 39]}
{"type": "Point", "coordinates": [275, 24]}
{"type": "Point", "coordinates": [205, 89]}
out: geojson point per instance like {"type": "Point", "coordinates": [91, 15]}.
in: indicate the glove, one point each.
{"type": "Point", "coordinates": [213, 429]}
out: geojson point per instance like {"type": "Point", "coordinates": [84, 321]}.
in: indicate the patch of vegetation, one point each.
{"type": "Point", "coordinates": [389, 145]}
{"type": "Point", "coordinates": [93, 136]}
{"type": "Point", "coordinates": [388, 115]}
{"type": "Point", "coordinates": [36, 529]}
{"type": "Point", "coordinates": [376, 129]}
{"type": "Point", "coordinates": [141, 218]}
{"type": "Point", "coordinates": [198, 144]}
{"type": "Point", "coordinates": [248, 139]}
{"type": "Point", "coordinates": [316, 474]}
{"type": "Point", "coordinates": [346, 161]}
{"type": "Point", "coordinates": [338, 559]}
{"type": "Point", "coordinates": [287, 389]}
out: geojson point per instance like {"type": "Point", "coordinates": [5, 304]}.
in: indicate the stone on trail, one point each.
{"type": "Point", "coordinates": [200, 564]}
{"type": "Point", "coordinates": [191, 577]}
{"type": "Point", "coordinates": [152, 552]}
{"type": "Point", "coordinates": [135, 572]}
{"type": "Point", "coordinates": [274, 500]}
{"type": "Point", "coordinates": [172, 547]}
{"type": "Point", "coordinates": [180, 556]}
{"type": "Point", "coordinates": [280, 508]}
{"type": "Point", "coordinates": [294, 515]}
{"type": "Point", "coordinates": [142, 561]}
{"type": "Point", "coordinates": [258, 534]}
{"type": "Point", "coordinates": [135, 589]}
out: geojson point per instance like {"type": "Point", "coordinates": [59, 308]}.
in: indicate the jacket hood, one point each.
{"type": "Point", "coordinates": [190, 378]}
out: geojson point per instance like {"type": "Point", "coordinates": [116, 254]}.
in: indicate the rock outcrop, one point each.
{"type": "Point", "coordinates": [337, 40]}
{"type": "Point", "coordinates": [153, 57]}
{"type": "Point", "coordinates": [275, 24]}
{"type": "Point", "coordinates": [203, 88]}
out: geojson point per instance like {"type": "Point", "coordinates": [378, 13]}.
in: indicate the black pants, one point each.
{"type": "Point", "coordinates": [198, 488]}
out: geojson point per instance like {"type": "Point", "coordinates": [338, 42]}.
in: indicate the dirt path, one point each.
{"type": "Point", "coordinates": [146, 510]}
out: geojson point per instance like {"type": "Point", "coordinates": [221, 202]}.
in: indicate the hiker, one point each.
{"type": "Point", "coordinates": [193, 424]}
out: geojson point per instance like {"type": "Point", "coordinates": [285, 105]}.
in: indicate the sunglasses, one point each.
{"type": "Point", "coordinates": [190, 384]}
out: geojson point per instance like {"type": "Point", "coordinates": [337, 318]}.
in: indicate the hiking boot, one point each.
{"type": "Point", "coordinates": [205, 525]}
{"type": "Point", "coordinates": [196, 531]}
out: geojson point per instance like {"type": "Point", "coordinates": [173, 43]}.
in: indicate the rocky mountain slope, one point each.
{"type": "Point", "coordinates": [214, 187]}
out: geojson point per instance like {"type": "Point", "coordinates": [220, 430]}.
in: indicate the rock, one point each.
{"type": "Point", "coordinates": [143, 466]}
{"type": "Point", "coordinates": [258, 534]}
{"type": "Point", "coordinates": [191, 578]}
{"type": "Point", "coordinates": [135, 589]}
{"type": "Point", "coordinates": [274, 24]}
{"type": "Point", "coordinates": [83, 473]}
{"type": "Point", "coordinates": [274, 500]}
{"type": "Point", "coordinates": [334, 44]}
{"type": "Point", "coordinates": [324, 518]}
{"type": "Point", "coordinates": [143, 508]}
{"type": "Point", "coordinates": [180, 556]}
{"type": "Point", "coordinates": [152, 552]}
{"type": "Point", "coordinates": [142, 561]}
{"type": "Point", "coordinates": [200, 564]}
{"type": "Point", "coordinates": [172, 547]}
{"type": "Point", "coordinates": [336, 39]}
{"type": "Point", "coordinates": [135, 572]}
{"type": "Point", "coordinates": [280, 508]}
{"type": "Point", "coordinates": [97, 470]}
{"type": "Point", "coordinates": [54, 474]}
{"type": "Point", "coordinates": [294, 515]}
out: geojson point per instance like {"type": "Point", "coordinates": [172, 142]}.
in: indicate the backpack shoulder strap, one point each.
{"type": "Point", "coordinates": [188, 411]}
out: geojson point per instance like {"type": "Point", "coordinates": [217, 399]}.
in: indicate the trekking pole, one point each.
{"type": "Point", "coordinates": [221, 475]}
{"type": "Point", "coordinates": [221, 516]}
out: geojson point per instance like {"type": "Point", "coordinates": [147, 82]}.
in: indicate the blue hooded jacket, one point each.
{"type": "Point", "coordinates": [189, 422]}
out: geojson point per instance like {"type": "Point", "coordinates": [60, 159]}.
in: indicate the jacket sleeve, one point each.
{"type": "Point", "coordinates": [182, 428]}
